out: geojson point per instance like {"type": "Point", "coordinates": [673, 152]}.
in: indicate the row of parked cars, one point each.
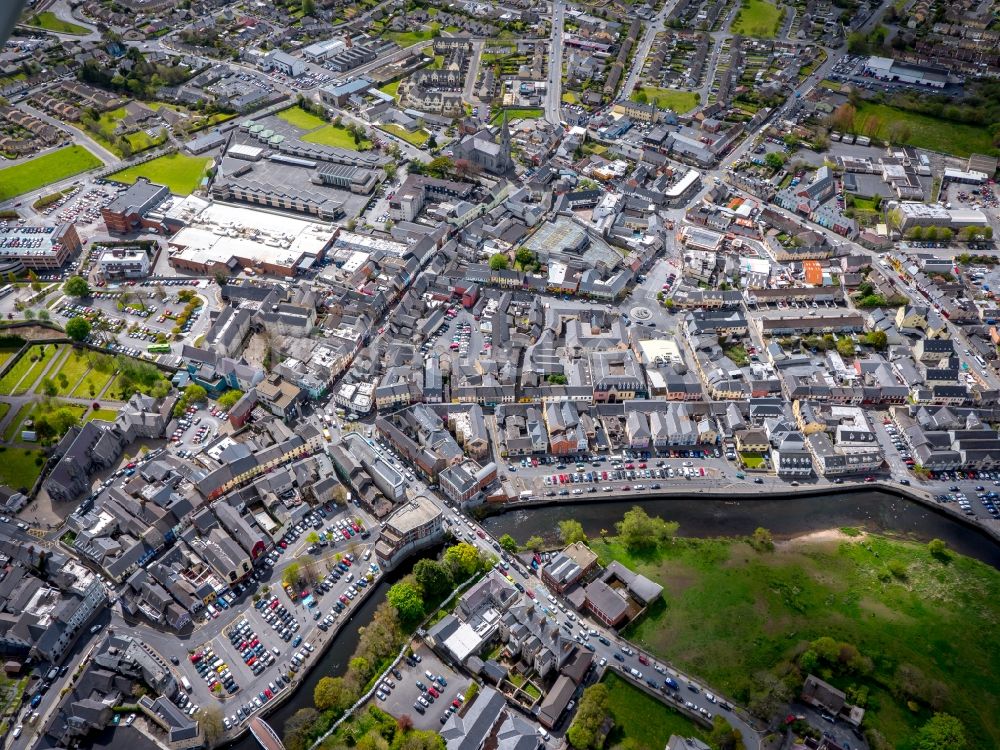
{"type": "Point", "coordinates": [244, 639]}
{"type": "Point", "coordinates": [278, 617]}
{"type": "Point", "coordinates": [214, 670]}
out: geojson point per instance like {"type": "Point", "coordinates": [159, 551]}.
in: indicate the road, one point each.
{"type": "Point", "coordinates": [553, 92]}
{"type": "Point", "coordinates": [654, 27]}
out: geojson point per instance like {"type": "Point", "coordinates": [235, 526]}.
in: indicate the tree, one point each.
{"type": "Point", "coordinates": [845, 347]}
{"type": "Point", "coordinates": [332, 693]}
{"type": "Point", "coordinates": [390, 170]}
{"type": "Point", "coordinates": [462, 559]}
{"type": "Point", "coordinates": [408, 600]}
{"type": "Point", "coordinates": [723, 736]}
{"type": "Point", "coordinates": [877, 340]}
{"type": "Point", "coordinates": [638, 530]}
{"type": "Point", "coordinates": [768, 695]}
{"type": "Point", "coordinates": [434, 578]}
{"type": "Point", "coordinates": [534, 543]}
{"type": "Point", "coordinates": [192, 394]}
{"type": "Point", "coordinates": [524, 257]}
{"type": "Point", "coordinates": [308, 7]}
{"type": "Point", "coordinates": [313, 538]}
{"type": "Point", "coordinates": [499, 262]}
{"type": "Point", "coordinates": [762, 539]}
{"type": "Point", "coordinates": [508, 543]}
{"type": "Point", "coordinates": [33, 280]}
{"type": "Point", "coordinates": [775, 160]}
{"type": "Point", "coordinates": [843, 117]}
{"type": "Point", "coordinates": [941, 731]}
{"type": "Point", "coordinates": [77, 328]}
{"type": "Point", "coordinates": [586, 731]}
{"type": "Point", "coordinates": [228, 399]}
{"type": "Point", "coordinates": [210, 721]}
{"type": "Point", "coordinates": [292, 575]}
{"type": "Point", "coordinates": [440, 166]}
{"type": "Point", "coordinates": [571, 531]}
{"type": "Point", "coordinates": [11, 277]}
{"type": "Point", "coordinates": [938, 548]}
{"type": "Point", "coordinates": [299, 727]}
{"type": "Point", "coordinates": [76, 286]}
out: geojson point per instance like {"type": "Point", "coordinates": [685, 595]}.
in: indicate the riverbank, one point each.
{"type": "Point", "coordinates": [742, 617]}
{"type": "Point", "coordinates": [752, 493]}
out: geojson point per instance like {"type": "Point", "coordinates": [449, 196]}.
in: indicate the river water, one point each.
{"type": "Point", "coordinates": [698, 517]}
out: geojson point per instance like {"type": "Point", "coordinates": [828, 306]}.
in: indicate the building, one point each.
{"type": "Point", "coordinates": [123, 263]}
{"type": "Point", "coordinates": [130, 209]}
{"type": "Point", "coordinates": [466, 480]}
{"type": "Point", "coordinates": [323, 50]}
{"type": "Point", "coordinates": [488, 150]}
{"type": "Point", "coordinates": [281, 61]}
{"type": "Point", "coordinates": [36, 248]}
{"type": "Point", "coordinates": [345, 177]}
{"type": "Point", "coordinates": [913, 214]}
{"type": "Point", "coordinates": [887, 69]}
{"type": "Point", "coordinates": [573, 564]}
{"type": "Point", "coordinates": [417, 523]}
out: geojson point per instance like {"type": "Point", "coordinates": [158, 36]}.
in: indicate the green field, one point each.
{"type": "Point", "coordinates": [182, 174]}
{"type": "Point", "coordinates": [331, 135]}
{"type": "Point", "coordinates": [757, 18]}
{"type": "Point", "coordinates": [527, 113]}
{"type": "Point", "coordinates": [391, 89]}
{"type": "Point", "coordinates": [72, 367]}
{"type": "Point", "coordinates": [678, 101]}
{"type": "Point", "coordinates": [44, 170]}
{"type": "Point", "coordinates": [569, 97]}
{"type": "Point", "coordinates": [409, 38]}
{"type": "Point", "coordinates": [18, 469]}
{"type": "Point", "coordinates": [731, 613]}
{"type": "Point", "coordinates": [641, 720]}
{"type": "Point", "coordinates": [4, 408]}
{"type": "Point", "coordinates": [108, 415]}
{"type": "Point", "coordinates": [12, 433]}
{"type": "Point", "coordinates": [27, 370]}
{"type": "Point", "coordinates": [6, 354]}
{"type": "Point", "coordinates": [417, 138]}
{"type": "Point", "coordinates": [924, 131]}
{"type": "Point", "coordinates": [299, 118]}
{"type": "Point", "coordinates": [50, 22]}
{"type": "Point", "coordinates": [94, 378]}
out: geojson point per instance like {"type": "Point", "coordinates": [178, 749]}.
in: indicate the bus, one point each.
{"type": "Point", "coordinates": [158, 348]}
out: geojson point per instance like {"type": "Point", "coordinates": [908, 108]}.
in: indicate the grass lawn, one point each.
{"type": "Point", "coordinates": [331, 135]}
{"type": "Point", "coordinates": [18, 469]}
{"type": "Point", "coordinates": [23, 367]}
{"type": "Point", "coordinates": [391, 89]}
{"type": "Point", "coordinates": [643, 719]}
{"type": "Point", "coordinates": [409, 38]}
{"type": "Point", "coordinates": [180, 173]}
{"type": "Point", "coordinates": [527, 113]}
{"type": "Point", "coordinates": [108, 415]}
{"type": "Point", "coordinates": [44, 170]}
{"type": "Point", "coordinates": [925, 132]}
{"type": "Point", "coordinates": [757, 18]}
{"type": "Point", "coordinates": [299, 118]}
{"type": "Point", "coordinates": [678, 101]}
{"type": "Point", "coordinates": [94, 378]}
{"type": "Point", "coordinates": [730, 612]}
{"type": "Point", "coordinates": [6, 354]}
{"type": "Point", "coordinates": [13, 432]}
{"type": "Point", "coordinates": [828, 84]}
{"type": "Point", "coordinates": [4, 408]}
{"type": "Point", "coordinates": [50, 22]}
{"type": "Point", "coordinates": [74, 366]}
{"type": "Point", "coordinates": [417, 138]}
{"type": "Point", "coordinates": [737, 353]}
{"type": "Point", "coordinates": [752, 460]}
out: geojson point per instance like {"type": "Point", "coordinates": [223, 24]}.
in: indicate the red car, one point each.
{"type": "Point", "coordinates": [345, 533]}
{"type": "Point", "coordinates": [268, 693]}
{"type": "Point", "coordinates": [456, 704]}
{"type": "Point", "coordinates": [344, 599]}
{"type": "Point", "coordinates": [347, 561]}
{"type": "Point", "coordinates": [530, 593]}
{"type": "Point", "coordinates": [355, 527]}
{"type": "Point", "coordinates": [433, 692]}
{"type": "Point", "coordinates": [643, 659]}
{"type": "Point", "coordinates": [642, 466]}
{"type": "Point", "coordinates": [283, 544]}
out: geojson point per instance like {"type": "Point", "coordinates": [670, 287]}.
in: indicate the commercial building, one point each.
{"type": "Point", "coordinates": [36, 248]}
{"type": "Point", "coordinates": [338, 96]}
{"type": "Point", "coordinates": [129, 211]}
{"type": "Point", "coordinates": [283, 62]}
{"type": "Point", "coordinates": [913, 214]}
{"type": "Point", "coordinates": [123, 263]}
{"type": "Point", "coordinates": [887, 69]}
{"type": "Point", "coordinates": [341, 176]}
{"type": "Point", "coordinates": [227, 238]}
{"type": "Point", "coordinates": [413, 525]}
{"type": "Point", "coordinates": [323, 50]}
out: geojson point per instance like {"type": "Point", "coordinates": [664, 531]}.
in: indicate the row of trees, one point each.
{"type": "Point", "coordinates": [431, 581]}
{"type": "Point", "coordinates": [592, 721]}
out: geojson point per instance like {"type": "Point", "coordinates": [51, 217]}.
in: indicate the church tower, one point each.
{"type": "Point", "coordinates": [505, 149]}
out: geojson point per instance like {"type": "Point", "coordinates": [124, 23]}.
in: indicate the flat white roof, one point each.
{"type": "Point", "coordinates": [683, 184]}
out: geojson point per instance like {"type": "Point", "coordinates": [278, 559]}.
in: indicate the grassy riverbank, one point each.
{"type": "Point", "coordinates": [741, 618]}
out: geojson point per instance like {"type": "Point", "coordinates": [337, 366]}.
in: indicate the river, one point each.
{"type": "Point", "coordinates": [873, 511]}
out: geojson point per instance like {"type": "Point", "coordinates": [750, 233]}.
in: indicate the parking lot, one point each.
{"type": "Point", "coordinates": [410, 687]}
{"type": "Point", "coordinates": [195, 429]}
{"type": "Point", "coordinates": [560, 476]}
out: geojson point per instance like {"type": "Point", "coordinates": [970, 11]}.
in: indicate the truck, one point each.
{"type": "Point", "coordinates": [186, 683]}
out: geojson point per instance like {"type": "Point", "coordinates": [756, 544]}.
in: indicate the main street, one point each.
{"type": "Point", "coordinates": [553, 91]}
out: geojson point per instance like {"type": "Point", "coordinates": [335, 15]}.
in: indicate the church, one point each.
{"type": "Point", "coordinates": [486, 151]}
